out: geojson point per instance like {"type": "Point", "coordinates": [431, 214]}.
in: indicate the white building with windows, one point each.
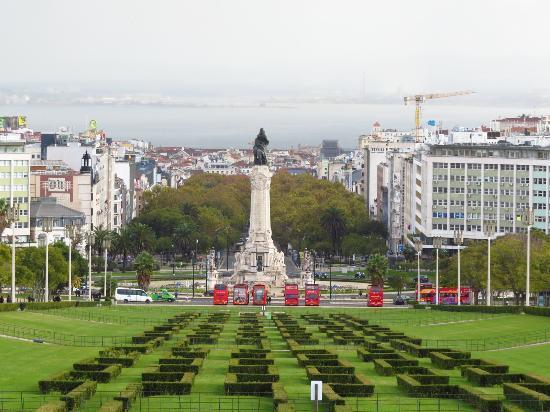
{"type": "Point", "coordinates": [14, 182]}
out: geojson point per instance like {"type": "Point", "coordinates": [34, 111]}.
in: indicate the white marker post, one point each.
{"type": "Point", "coordinates": [316, 394]}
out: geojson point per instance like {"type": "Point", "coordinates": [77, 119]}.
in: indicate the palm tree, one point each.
{"type": "Point", "coordinates": [143, 237]}
{"type": "Point", "coordinates": [122, 245]}
{"type": "Point", "coordinates": [183, 237]}
{"type": "Point", "coordinates": [334, 223]}
{"type": "Point", "coordinates": [144, 265]}
{"type": "Point", "coordinates": [100, 235]}
{"type": "Point", "coordinates": [4, 210]}
{"type": "Point", "coordinates": [377, 267]}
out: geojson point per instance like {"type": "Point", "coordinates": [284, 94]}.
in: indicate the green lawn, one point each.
{"type": "Point", "coordinates": [24, 363]}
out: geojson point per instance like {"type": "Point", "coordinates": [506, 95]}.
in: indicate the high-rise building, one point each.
{"type": "Point", "coordinates": [14, 182]}
{"type": "Point", "coordinates": [465, 186]}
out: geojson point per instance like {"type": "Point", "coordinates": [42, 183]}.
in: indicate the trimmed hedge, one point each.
{"type": "Point", "coordinates": [193, 366]}
{"type": "Point", "coordinates": [414, 387]}
{"type": "Point", "coordinates": [450, 359]}
{"type": "Point", "coordinates": [111, 356]}
{"type": "Point", "coordinates": [167, 383]}
{"type": "Point", "coordinates": [59, 382]}
{"type": "Point", "coordinates": [530, 310]}
{"type": "Point", "coordinates": [13, 307]}
{"type": "Point", "coordinates": [482, 401]}
{"type": "Point", "coordinates": [481, 377]}
{"type": "Point", "coordinates": [79, 394]}
{"type": "Point", "coordinates": [53, 406]}
{"type": "Point", "coordinates": [104, 375]}
{"type": "Point", "coordinates": [129, 395]}
{"type": "Point", "coordinates": [526, 396]}
{"type": "Point", "coordinates": [388, 367]}
{"type": "Point", "coordinates": [112, 406]}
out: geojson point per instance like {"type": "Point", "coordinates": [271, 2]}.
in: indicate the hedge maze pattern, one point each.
{"type": "Point", "coordinates": [316, 343]}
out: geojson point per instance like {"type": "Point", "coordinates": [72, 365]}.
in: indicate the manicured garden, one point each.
{"type": "Point", "coordinates": [170, 358]}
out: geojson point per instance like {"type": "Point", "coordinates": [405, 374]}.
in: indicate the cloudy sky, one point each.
{"type": "Point", "coordinates": [287, 47]}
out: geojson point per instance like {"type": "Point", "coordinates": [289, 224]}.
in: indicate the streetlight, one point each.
{"type": "Point", "coordinates": [193, 258]}
{"type": "Point", "coordinates": [437, 243]}
{"type": "Point", "coordinates": [330, 279]}
{"type": "Point", "coordinates": [47, 226]}
{"type": "Point", "coordinates": [528, 218]}
{"type": "Point", "coordinates": [106, 246]}
{"type": "Point", "coordinates": [90, 238]}
{"type": "Point", "coordinates": [489, 232]}
{"type": "Point", "coordinates": [71, 231]}
{"type": "Point", "coordinates": [314, 262]}
{"type": "Point", "coordinates": [13, 216]}
{"type": "Point", "coordinates": [418, 247]}
{"type": "Point", "coordinates": [459, 239]}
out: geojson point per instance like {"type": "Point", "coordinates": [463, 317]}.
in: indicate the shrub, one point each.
{"type": "Point", "coordinates": [79, 394]}
{"type": "Point", "coordinates": [481, 377]}
{"type": "Point", "coordinates": [193, 366]}
{"type": "Point", "coordinates": [526, 397]}
{"type": "Point", "coordinates": [450, 359]}
{"type": "Point", "coordinates": [179, 385]}
{"type": "Point", "coordinates": [101, 373]}
{"type": "Point", "coordinates": [279, 394]}
{"type": "Point", "coordinates": [233, 387]}
{"type": "Point", "coordinates": [482, 401]}
{"type": "Point", "coordinates": [112, 406]}
{"type": "Point", "coordinates": [129, 395]}
{"type": "Point", "coordinates": [59, 382]}
{"type": "Point", "coordinates": [413, 387]}
{"type": "Point", "coordinates": [53, 406]}
{"type": "Point", "coordinates": [117, 357]}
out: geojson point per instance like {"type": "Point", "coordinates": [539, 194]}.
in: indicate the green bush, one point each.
{"type": "Point", "coordinates": [117, 357]}
{"type": "Point", "coordinates": [332, 398]}
{"type": "Point", "coordinates": [129, 395]}
{"type": "Point", "coordinates": [413, 387]}
{"type": "Point", "coordinates": [59, 382]}
{"type": "Point", "coordinates": [181, 386]}
{"type": "Point", "coordinates": [482, 401]}
{"type": "Point", "coordinates": [233, 387]}
{"type": "Point", "coordinates": [79, 394]}
{"type": "Point", "coordinates": [12, 307]}
{"type": "Point", "coordinates": [481, 377]}
{"type": "Point", "coordinates": [526, 397]}
{"type": "Point", "coordinates": [256, 361]}
{"type": "Point", "coordinates": [53, 406]}
{"type": "Point", "coordinates": [531, 310]}
{"type": "Point", "coordinates": [279, 394]}
{"type": "Point", "coordinates": [450, 359]}
{"type": "Point", "coordinates": [193, 366]}
{"type": "Point", "coordinates": [103, 375]}
{"type": "Point", "coordinates": [112, 406]}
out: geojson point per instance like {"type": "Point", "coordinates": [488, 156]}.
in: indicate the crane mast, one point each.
{"type": "Point", "coordinates": [418, 99]}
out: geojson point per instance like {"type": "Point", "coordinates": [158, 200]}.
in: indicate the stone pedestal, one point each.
{"type": "Point", "coordinates": [259, 261]}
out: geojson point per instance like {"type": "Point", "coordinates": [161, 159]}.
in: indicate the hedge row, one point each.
{"type": "Point", "coordinates": [128, 395]}
{"type": "Point", "coordinates": [112, 356]}
{"type": "Point", "coordinates": [167, 383]}
{"type": "Point", "coordinates": [532, 393]}
{"type": "Point", "coordinates": [112, 406]}
{"type": "Point", "coordinates": [79, 394]}
{"type": "Point", "coordinates": [530, 310]}
{"type": "Point", "coordinates": [53, 406]}
{"type": "Point", "coordinates": [12, 307]}
{"type": "Point", "coordinates": [414, 347]}
{"type": "Point", "coordinates": [104, 372]}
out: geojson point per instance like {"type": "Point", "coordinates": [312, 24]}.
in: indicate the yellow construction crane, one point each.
{"type": "Point", "coordinates": [418, 99]}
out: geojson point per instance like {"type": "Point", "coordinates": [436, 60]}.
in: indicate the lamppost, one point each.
{"type": "Point", "coordinates": [47, 226]}
{"type": "Point", "coordinates": [437, 243]}
{"type": "Point", "coordinates": [71, 231]}
{"type": "Point", "coordinates": [528, 218]}
{"type": "Point", "coordinates": [90, 238]}
{"type": "Point", "coordinates": [106, 246]}
{"type": "Point", "coordinates": [13, 216]}
{"type": "Point", "coordinates": [330, 279]}
{"type": "Point", "coordinates": [418, 247]}
{"type": "Point", "coordinates": [314, 262]}
{"type": "Point", "coordinates": [459, 239]}
{"type": "Point", "coordinates": [489, 232]}
{"type": "Point", "coordinates": [193, 258]}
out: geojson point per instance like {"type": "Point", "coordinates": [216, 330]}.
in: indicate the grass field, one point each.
{"type": "Point", "coordinates": [25, 362]}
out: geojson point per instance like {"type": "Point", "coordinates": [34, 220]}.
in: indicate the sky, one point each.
{"type": "Point", "coordinates": [283, 47]}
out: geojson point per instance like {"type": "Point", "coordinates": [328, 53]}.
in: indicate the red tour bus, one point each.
{"type": "Point", "coordinates": [427, 296]}
{"type": "Point", "coordinates": [221, 294]}
{"type": "Point", "coordinates": [259, 295]}
{"type": "Point", "coordinates": [292, 294]}
{"type": "Point", "coordinates": [240, 294]}
{"type": "Point", "coordinates": [313, 295]}
{"type": "Point", "coordinates": [376, 296]}
{"type": "Point", "coordinates": [448, 296]}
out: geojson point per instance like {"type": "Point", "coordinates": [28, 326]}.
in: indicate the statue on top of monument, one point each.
{"type": "Point", "coordinates": [259, 149]}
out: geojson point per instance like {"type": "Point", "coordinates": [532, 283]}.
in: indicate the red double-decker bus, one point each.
{"type": "Point", "coordinates": [292, 294]}
{"type": "Point", "coordinates": [376, 296]}
{"type": "Point", "coordinates": [221, 294]}
{"type": "Point", "coordinates": [447, 296]}
{"type": "Point", "coordinates": [313, 295]}
{"type": "Point", "coordinates": [259, 295]}
{"type": "Point", "coordinates": [240, 294]}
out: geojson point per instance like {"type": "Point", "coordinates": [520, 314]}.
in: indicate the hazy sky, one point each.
{"type": "Point", "coordinates": [251, 47]}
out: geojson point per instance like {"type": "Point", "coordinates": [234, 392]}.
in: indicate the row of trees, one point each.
{"type": "Point", "coordinates": [305, 213]}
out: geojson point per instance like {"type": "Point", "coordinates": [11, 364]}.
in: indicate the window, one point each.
{"type": "Point", "coordinates": [539, 181]}
{"type": "Point", "coordinates": [491, 179]}
{"type": "Point", "coordinates": [522, 180]}
{"type": "Point", "coordinates": [490, 166]}
{"type": "Point", "coordinates": [540, 218]}
{"type": "Point", "coordinates": [541, 193]}
{"type": "Point", "coordinates": [539, 206]}
{"type": "Point", "coordinates": [457, 165]}
{"type": "Point", "coordinates": [474, 166]}
{"type": "Point", "coordinates": [506, 167]}
{"type": "Point", "coordinates": [522, 167]}
{"type": "Point", "coordinates": [457, 190]}
{"type": "Point", "coordinates": [539, 168]}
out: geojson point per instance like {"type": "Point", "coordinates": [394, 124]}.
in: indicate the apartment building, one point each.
{"type": "Point", "coordinates": [14, 182]}
{"type": "Point", "coordinates": [465, 186]}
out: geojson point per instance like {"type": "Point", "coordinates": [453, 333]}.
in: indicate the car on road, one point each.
{"type": "Point", "coordinates": [163, 296]}
{"type": "Point", "coordinates": [359, 275]}
{"type": "Point", "coordinates": [398, 300]}
{"type": "Point", "coordinates": [321, 275]}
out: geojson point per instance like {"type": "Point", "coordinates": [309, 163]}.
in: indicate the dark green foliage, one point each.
{"type": "Point", "coordinates": [167, 383]}
{"type": "Point", "coordinates": [79, 394]}
{"type": "Point", "coordinates": [129, 394]}
{"type": "Point", "coordinates": [528, 397]}
{"type": "Point", "coordinates": [105, 374]}
{"type": "Point", "coordinates": [59, 382]}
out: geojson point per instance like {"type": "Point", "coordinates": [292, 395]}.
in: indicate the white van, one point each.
{"type": "Point", "coordinates": [132, 295]}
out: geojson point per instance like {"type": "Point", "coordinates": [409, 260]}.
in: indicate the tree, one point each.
{"type": "Point", "coordinates": [144, 265]}
{"type": "Point", "coordinates": [4, 210]}
{"type": "Point", "coordinates": [184, 236]}
{"type": "Point", "coordinates": [398, 282]}
{"type": "Point", "coordinates": [333, 221]}
{"type": "Point", "coordinates": [377, 267]}
{"type": "Point", "coordinates": [123, 244]}
{"type": "Point", "coordinates": [409, 253]}
{"type": "Point", "coordinates": [473, 269]}
{"type": "Point", "coordinates": [142, 237]}
{"type": "Point", "coordinates": [163, 221]}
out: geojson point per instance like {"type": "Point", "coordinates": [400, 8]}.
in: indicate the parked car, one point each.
{"type": "Point", "coordinates": [163, 296]}
{"type": "Point", "coordinates": [359, 275]}
{"type": "Point", "coordinates": [398, 300]}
